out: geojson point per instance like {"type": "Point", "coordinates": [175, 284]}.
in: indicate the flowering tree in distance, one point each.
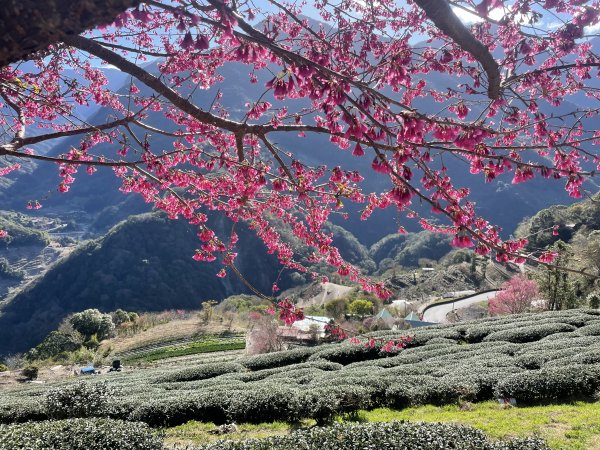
{"type": "Point", "coordinates": [515, 296]}
{"type": "Point", "coordinates": [359, 74]}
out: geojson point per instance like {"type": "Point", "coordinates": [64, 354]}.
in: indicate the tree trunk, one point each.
{"type": "Point", "coordinates": [30, 26]}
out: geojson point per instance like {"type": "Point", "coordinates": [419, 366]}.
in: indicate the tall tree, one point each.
{"type": "Point", "coordinates": [362, 77]}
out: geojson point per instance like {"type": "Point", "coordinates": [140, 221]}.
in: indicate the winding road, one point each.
{"type": "Point", "coordinates": [438, 313]}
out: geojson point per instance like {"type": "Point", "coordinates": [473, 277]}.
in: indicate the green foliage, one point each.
{"type": "Point", "coordinates": [119, 316]}
{"type": "Point", "coordinates": [442, 365]}
{"type": "Point", "coordinates": [201, 372]}
{"type": "Point", "coordinates": [394, 435]}
{"type": "Point", "coordinates": [278, 359]}
{"type": "Point", "coordinates": [6, 271]}
{"type": "Point", "coordinates": [79, 434]}
{"type": "Point", "coordinates": [593, 299]}
{"type": "Point", "coordinates": [360, 308]}
{"type": "Point", "coordinates": [80, 400]}
{"type": "Point", "coordinates": [336, 308]}
{"type": "Point", "coordinates": [30, 372]}
{"type": "Point", "coordinates": [92, 322]}
{"type": "Point", "coordinates": [56, 342]}
{"type": "Point", "coordinates": [551, 384]}
{"type": "Point", "coordinates": [557, 286]}
{"type": "Point", "coordinates": [3, 368]}
{"type": "Point", "coordinates": [21, 230]}
{"type": "Point", "coordinates": [208, 406]}
{"type": "Point", "coordinates": [346, 353]}
{"type": "Point", "coordinates": [240, 303]}
{"type": "Point", "coordinates": [530, 333]}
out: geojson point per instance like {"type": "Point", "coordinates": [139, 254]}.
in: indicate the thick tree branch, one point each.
{"type": "Point", "coordinates": [96, 49]}
{"type": "Point", "coordinates": [29, 26]}
{"type": "Point", "coordinates": [440, 13]}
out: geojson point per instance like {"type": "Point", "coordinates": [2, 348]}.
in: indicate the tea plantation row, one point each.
{"type": "Point", "coordinates": [542, 357]}
{"type": "Point", "coordinates": [84, 434]}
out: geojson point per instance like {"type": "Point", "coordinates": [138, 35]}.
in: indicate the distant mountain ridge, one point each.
{"type": "Point", "coordinates": [97, 197]}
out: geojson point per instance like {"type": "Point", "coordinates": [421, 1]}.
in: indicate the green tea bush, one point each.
{"type": "Point", "coordinates": [207, 406]}
{"type": "Point", "coordinates": [325, 402]}
{"type": "Point", "coordinates": [201, 372]}
{"type": "Point", "coordinates": [444, 391]}
{"type": "Point", "coordinates": [22, 411]}
{"type": "Point", "coordinates": [80, 400]}
{"type": "Point", "coordinates": [278, 359]}
{"type": "Point", "coordinates": [529, 333]}
{"type": "Point", "coordinates": [394, 435]}
{"type": "Point", "coordinates": [587, 357]}
{"type": "Point", "coordinates": [30, 372]}
{"type": "Point", "coordinates": [404, 393]}
{"type": "Point", "coordinates": [79, 434]}
{"type": "Point", "coordinates": [592, 329]}
{"type": "Point", "coordinates": [347, 353]}
{"type": "Point", "coordinates": [265, 403]}
{"type": "Point", "coordinates": [552, 383]}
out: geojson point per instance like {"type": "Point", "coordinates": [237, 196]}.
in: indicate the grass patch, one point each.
{"type": "Point", "coordinates": [196, 433]}
{"type": "Point", "coordinates": [564, 427]}
{"type": "Point", "coordinates": [205, 346]}
{"type": "Point", "coordinates": [571, 426]}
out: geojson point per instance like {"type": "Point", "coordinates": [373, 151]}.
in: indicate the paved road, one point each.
{"type": "Point", "coordinates": [437, 314]}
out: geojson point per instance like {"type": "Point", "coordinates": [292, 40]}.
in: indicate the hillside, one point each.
{"type": "Point", "coordinates": [543, 358]}
{"type": "Point", "coordinates": [144, 264]}
{"type": "Point", "coordinates": [582, 217]}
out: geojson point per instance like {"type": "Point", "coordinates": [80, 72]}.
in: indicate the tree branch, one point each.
{"type": "Point", "coordinates": [443, 17]}
{"type": "Point", "coordinates": [96, 49]}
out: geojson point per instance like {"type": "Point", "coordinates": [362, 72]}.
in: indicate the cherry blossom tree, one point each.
{"type": "Point", "coordinates": [515, 297]}
{"type": "Point", "coordinates": [358, 73]}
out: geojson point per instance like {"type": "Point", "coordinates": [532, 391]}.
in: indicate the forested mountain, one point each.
{"type": "Point", "coordinates": [145, 264]}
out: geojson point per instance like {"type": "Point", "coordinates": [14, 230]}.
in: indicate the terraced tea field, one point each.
{"type": "Point", "coordinates": [549, 357]}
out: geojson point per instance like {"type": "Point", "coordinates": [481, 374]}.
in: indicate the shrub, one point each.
{"type": "Point", "coordinates": [553, 383]}
{"type": "Point", "coordinates": [79, 434]}
{"type": "Point", "coordinates": [592, 329]}
{"type": "Point", "coordinates": [201, 372]}
{"type": "Point", "coordinates": [444, 391]}
{"type": "Point", "coordinates": [278, 359]}
{"type": "Point", "coordinates": [23, 411]}
{"type": "Point", "coordinates": [394, 435]}
{"type": "Point", "coordinates": [55, 343]}
{"type": "Point", "coordinates": [593, 300]}
{"type": "Point", "coordinates": [92, 321]}
{"type": "Point", "coordinates": [347, 353]}
{"type": "Point", "coordinates": [30, 372]}
{"type": "Point", "coordinates": [3, 368]}
{"type": "Point", "coordinates": [529, 333]}
{"type": "Point", "coordinates": [208, 406]}
{"type": "Point", "coordinates": [80, 400]}
{"type": "Point", "coordinates": [120, 316]}
{"type": "Point", "coordinates": [265, 403]}
{"type": "Point", "coordinates": [325, 402]}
